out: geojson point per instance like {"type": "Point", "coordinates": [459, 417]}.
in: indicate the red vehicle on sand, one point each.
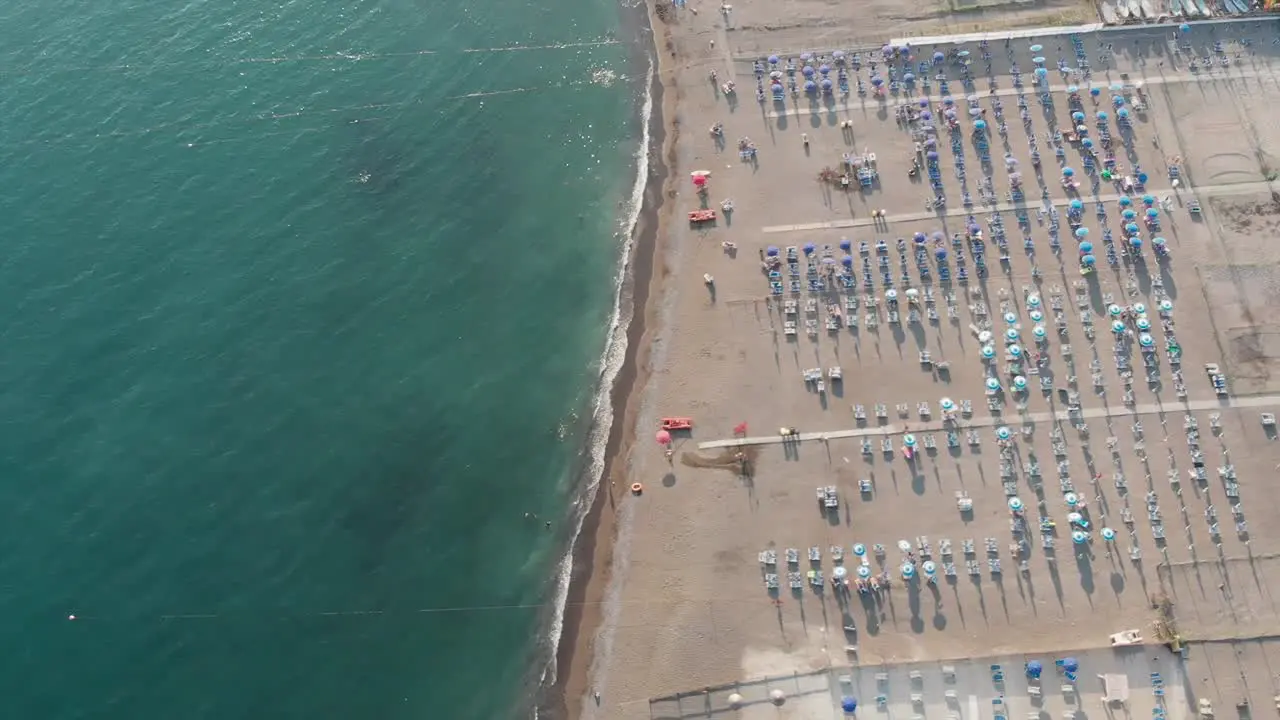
{"type": "Point", "coordinates": [677, 423]}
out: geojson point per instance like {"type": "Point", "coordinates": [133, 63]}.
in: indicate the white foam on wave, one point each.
{"type": "Point", "coordinates": [615, 352]}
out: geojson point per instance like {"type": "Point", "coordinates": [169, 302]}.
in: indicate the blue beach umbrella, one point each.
{"type": "Point", "coordinates": [980, 125]}
{"type": "Point", "coordinates": [877, 81]}
{"type": "Point", "coordinates": [824, 69]}
{"type": "Point", "coordinates": [1087, 143]}
{"type": "Point", "coordinates": [846, 244]}
{"type": "Point", "coordinates": [1148, 200]}
{"type": "Point", "coordinates": [1038, 60]}
{"type": "Point", "coordinates": [926, 116]}
{"type": "Point", "coordinates": [948, 101]}
{"type": "Point", "coordinates": [1102, 115]}
{"type": "Point", "coordinates": [1125, 202]}
{"type": "Point", "coordinates": [1076, 204]}
{"type": "Point", "coordinates": [808, 71]}
{"type": "Point", "coordinates": [1088, 260]}
{"type": "Point", "coordinates": [940, 253]}
{"type": "Point", "coordinates": [1034, 668]}
{"type": "Point", "coordinates": [919, 238]}
{"type": "Point", "coordinates": [1070, 664]}
{"type": "Point", "coordinates": [1077, 116]}
{"type": "Point", "coordinates": [1073, 89]}
{"type": "Point", "coordinates": [1095, 91]}
{"type": "Point", "coordinates": [805, 57]}
{"type": "Point", "coordinates": [776, 87]}
{"type": "Point", "coordinates": [1036, 48]}
{"type": "Point", "coordinates": [773, 59]}
{"type": "Point", "coordinates": [1131, 228]}
{"type": "Point", "coordinates": [908, 78]}
{"type": "Point", "coordinates": [848, 705]}
{"type": "Point", "coordinates": [939, 57]}
{"type": "Point", "coordinates": [772, 251]}
{"type": "Point", "coordinates": [1136, 242]}
{"type": "Point", "coordinates": [826, 83]}
{"type": "Point", "coordinates": [1082, 233]}
{"type": "Point", "coordinates": [931, 156]}
{"type": "Point", "coordinates": [1086, 247]}
{"type": "Point", "coordinates": [1142, 178]}
{"type": "Point", "coordinates": [1153, 213]}
{"type": "Point", "coordinates": [837, 54]}
{"type": "Point", "coordinates": [1041, 72]}
{"type": "Point", "coordinates": [1068, 172]}
{"type": "Point", "coordinates": [1117, 100]}
{"type": "Point", "coordinates": [975, 112]}
{"type": "Point", "coordinates": [1160, 242]}
{"type": "Point", "coordinates": [809, 248]}
{"type": "Point", "coordinates": [1078, 537]}
{"type": "Point", "coordinates": [810, 86]}
{"type": "Point", "coordinates": [924, 102]}
{"type": "Point", "coordinates": [847, 260]}
{"type": "Point", "coordinates": [1184, 27]}
{"type": "Point", "coordinates": [1128, 214]}
{"type": "Point", "coordinates": [963, 54]}
{"type": "Point", "coordinates": [1123, 113]}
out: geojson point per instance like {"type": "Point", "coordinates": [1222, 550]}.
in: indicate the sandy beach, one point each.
{"type": "Point", "coordinates": [1101, 485]}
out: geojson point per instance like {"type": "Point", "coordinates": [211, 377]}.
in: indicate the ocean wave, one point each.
{"type": "Point", "coordinates": [612, 359]}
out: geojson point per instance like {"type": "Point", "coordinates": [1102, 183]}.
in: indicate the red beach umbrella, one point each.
{"type": "Point", "coordinates": [664, 437]}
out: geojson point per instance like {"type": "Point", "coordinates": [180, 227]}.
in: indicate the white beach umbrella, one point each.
{"type": "Point", "coordinates": [904, 546]}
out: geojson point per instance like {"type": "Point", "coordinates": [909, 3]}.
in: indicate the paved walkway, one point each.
{"type": "Point", "coordinates": [1031, 204]}
{"type": "Point", "coordinates": [1257, 401]}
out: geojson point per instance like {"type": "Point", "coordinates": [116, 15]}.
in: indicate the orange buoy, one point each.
{"type": "Point", "coordinates": [636, 488]}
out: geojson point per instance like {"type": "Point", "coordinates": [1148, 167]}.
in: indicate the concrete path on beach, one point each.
{"type": "Point", "coordinates": [1030, 204]}
{"type": "Point", "coordinates": [1258, 401]}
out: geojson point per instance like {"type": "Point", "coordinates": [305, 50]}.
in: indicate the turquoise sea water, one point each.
{"type": "Point", "coordinates": [288, 333]}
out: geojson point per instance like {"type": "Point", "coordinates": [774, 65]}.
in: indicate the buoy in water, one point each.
{"type": "Point", "coordinates": [636, 488]}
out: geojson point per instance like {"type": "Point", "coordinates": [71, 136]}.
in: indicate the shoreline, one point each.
{"type": "Point", "coordinates": [592, 554]}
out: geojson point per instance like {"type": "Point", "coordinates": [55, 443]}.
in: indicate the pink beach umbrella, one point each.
{"type": "Point", "coordinates": [664, 437]}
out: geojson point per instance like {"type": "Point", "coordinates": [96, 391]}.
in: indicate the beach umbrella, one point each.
{"type": "Point", "coordinates": [931, 156]}
{"type": "Point", "coordinates": [1088, 260]}
{"type": "Point", "coordinates": [1148, 200]}
{"type": "Point", "coordinates": [839, 572]}
{"type": "Point", "coordinates": [1011, 334]}
{"type": "Point", "coordinates": [1082, 129]}
{"type": "Point", "coordinates": [1135, 242]}
{"type": "Point", "coordinates": [1123, 113]}
{"type": "Point", "coordinates": [904, 546]}
{"type": "Point", "coordinates": [963, 54]}
{"type": "Point", "coordinates": [735, 700]}
{"type": "Point", "coordinates": [1068, 172]}
{"type": "Point", "coordinates": [826, 83]}
{"type": "Point", "coordinates": [1077, 116]}
{"type": "Point", "coordinates": [837, 54]}
{"type": "Point", "coordinates": [699, 180]}
{"type": "Point", "coordinates": [980, 125]}
{"type": "Point", "coordinates": [940, 253]}
{"type": "Point", "coordinates": [919, 238]}
{"type": "Point", "coordinates": [1117, 86]}
{"type": "Point", "coordinates": [1153, 213]}
{"type": "Point", "coordinates": [1041, 72]}
{"type": "Point", "coordinates": [1159, 242]}
{"type": "Point", "coordinates": [806, 57]}
{"type": "Point", "coordinates": [1004, 433]}
{"type": "Point", "coordinates": [1036, 48]}
{"type": "Point", "coordinates": [776, 74]}
{"type": "Point", "coordinates": [1114, 310]}
{"type": "Point", "coordinates": [663, 437]}
{"type": "Point", "coordinates": [1143, 324]}
{"type": "Point", "coordinates": [1015, 351]}
{"type": "Point", "coordinates": [1073, 89]}
{"type": "Point", "coordinates": [924, 102]}
{"type": "Point", "coordinates": [1184, 27]}
{"type": "Point", "coordinates": [1015, 504]}
{"type": "Point", "coordinates": [877, 81]}
{"type": "Point", "coordinates": [809, 248]}
{"type": "Point", "coordinates": [975, 112]}
{"type": "Point", "coordinates": [909, 440]}
{"type": "Point", "coordinates": [776, 88]}
{"type": "Point", "coordinates": [1019, 383]}
{"type": "Point", "coordinates": [1117, 100]}
{"type": "Point", "coordinates": [1131, 228]}
{"type": "Point", "coordinates": [1071, 499]}
{"type": "Point", "coordinates": [948, 101]}
{"type": "Point", "coordinates": [1102, 115]}
{"type": "Point", "coordinates": [1034, 668]}
{"type": "Point", "coordinates": [773, 59]}
{"type": "Point", "coordinates": [859, 549]}
{"type": "Point", "coordinates": [984, 337]}
{"type": "Point", "coordinates": [772, 251]}
{"type": "Point", "coordinates": [1033, 300]}
{"type": "Point", "coordinates": [887, 49]}
{"type": "Point", "coordinates": [988, 352]}
{"type": "Point", "coordinates": [947, 404]}
{"type": "Point", "coordinates": [993, 384]}
{"type": "Point", "coordinates": [1140, 309]}
{"type": "Point", "coordinates": [1036, 316]}
{"type": "Point", "coordinates": [1079, 537]}
{"type": "Point", "coordinates": [1128, 214]}
{"type": "Point", "coordinates": [939, 57]}
{"type": "Point", "coordinates": [847, 260]}
{"type": "Point", "coordinates": [1039, 332]}
{"type": "Point", "coordinates": [1082, 233]}
{"type": "Point", "coordinates": [930, 568]}
{"type": "Point", "coordinates": [807, 70]}
{"type": "Point", "coordinates": [1087, 143]}
{"type": "Point", "coordinates": [1075, 518]}
{"type": "Point", "coordinates": [1076, 204]}
{"type": "Point", "coordinates": [846, 244]}
{"type": "Point", "coordinates": [908, 571]}
{"type": "Point", "coordinates": [1086, 247]}
{"type": "Point", "coordinates": [1070, 664]}
{"type": "Point", "coordinates": [926, 116]}
{"type": "Point", "coordinates": [1125, 202]}
{"type": "Point", "coordinates": [1038, 60]}
{"type": "Point", "coordinates": [1117, 327]}
{"type": "Point", "coordinates": [912, 293]}
{"type": "Point", "coordinates": [949, 113]}
{"type": "Point", "coordinates": [848, 704]}
{"type": "Point", "coordinates": [810, 86]}
{"type": "Point", "coordinates": [864, 572]}
{"type": "Point", "coordinates": [890, 294]}
{"type": "Point", "coordinates": [1142, 178]}
{"type": "Point", "coordinates": [908, 78]}
{"type": "Point", "coordinates": [824, 69]}
{"type": "Point", "coordinates": [1108, 534]}
{"type": "Point", "coordinates": [973, 99]}
{"type": "Point", "coordinates": [777, 696]}
{"type": "Point", "coordinates": [1146, 340]}
{"type": "Point", "coordinates": [1010, 318]}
